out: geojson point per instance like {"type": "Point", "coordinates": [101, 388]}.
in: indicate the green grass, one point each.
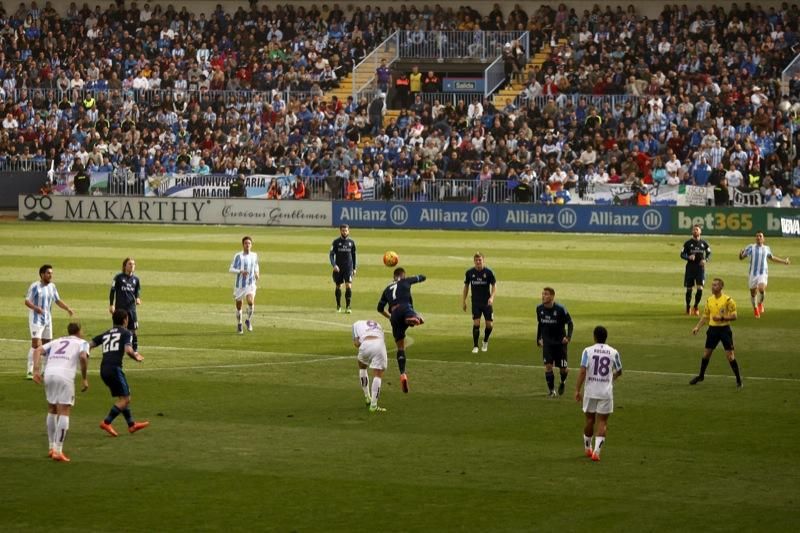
{"type": "Point", "coordinates": [267, 431]}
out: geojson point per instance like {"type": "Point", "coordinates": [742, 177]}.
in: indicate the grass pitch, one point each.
{"type": "Point", "coordinates": [268, 431]}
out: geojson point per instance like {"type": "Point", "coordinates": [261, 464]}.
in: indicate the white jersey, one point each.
{"type": "Point", "coordinates": [758, 259]}
{"type": "Point", "coordinates": [63, 355]}
{"type": "Point", "coordinates": [367, 328]}
{"type": "Point", "coordinates": [600, 361]}
{"type": "Point", "coordinates": [43, 296]}
{"type": "Point", "coordinates": [248, 263]}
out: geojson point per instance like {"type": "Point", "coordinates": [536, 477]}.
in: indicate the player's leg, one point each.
{"type": "Point", "coordinates": [476, 331]}
{"type": "Point", "coordinates": [239, 328]}
{"type": "Point", "coordinates": [563, 368]}
{"type": "Point", "coordinates": [688, 282]}
{"type": "Point", "coordinates": [363, 377]}
{"type": "Point", "coordinates": [251, 303]}
{"type": "Point", "coordinates": [63, 412]}
{"type": "Point", "coordinates": [588, 432]}
{"type": "Point", "coordinates": [753, 302]}
{"type": "Point", "coordinates": [704, 361]}
{"type": "Point", "coordinates": [377, 381]}
{"type": "Point", "coordinates": [52, 418]}
{"type": "Point", "coordinates": [348, 294]}
{"type": "Point", "coordinates": [548, 371]}
{"type": "Point", "coordinates": [762, 294]}
{"type": "Point", "coordinates": [600, 438]}
{"type": "Point", "coordinates": [338, 280]}
{"type": "Point", "coordinates": [488, 320]}
{"type": "Point", "coordinates": [727, 345]}
{"type": "Point", "coordinates": [698, 294]}
{"type": "Point", "coordinates": [35, 343]}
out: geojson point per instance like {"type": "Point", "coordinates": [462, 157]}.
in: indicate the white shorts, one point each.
{"type": "Point", "coordinates": [39, 331]}
{"type": "Point", "coordinates": [755, 281]}
{"type": "Point", "coordinates": [372, 353]}
{"type": "Point", "coordinates": [598, 405]}
{"type": "Point", "coordinates": [59, 390]}
{"type": "Point", "coordinates": [239, 294]}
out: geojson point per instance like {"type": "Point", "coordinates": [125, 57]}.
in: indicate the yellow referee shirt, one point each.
{"type": "Point", "coordinates": [416, 81]}
{"type": "Point", "coordinates": [716, 306]}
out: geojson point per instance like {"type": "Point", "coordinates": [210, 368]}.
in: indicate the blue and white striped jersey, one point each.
{"type": "Point", "coordinates": [758, 259]}
{"type": "Point", "coordinates": [42, 296]}
{"type": "Point", "coordinates": [248, 263]}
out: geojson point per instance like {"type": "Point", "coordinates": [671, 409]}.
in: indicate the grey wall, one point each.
{"type": "Point", "coordinates": [12, 184]}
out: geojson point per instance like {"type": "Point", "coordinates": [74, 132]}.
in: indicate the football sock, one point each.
{"type": "Point", "coordinates": [401, 361]}
{"type": "Point", "coordinates": [376, 391]}
{"type": "Point", "coordinates": [51, 429]}
{"type": "Point", "coordinates": [30, 360]}
{"type": "Point", "coordinates": [698, 296]}
{"type": "Point", "coordinates": [135, 343]}
{"type": "Point", "coordinates": [564, 377]}
{"type": "Point", "coordinates": [486, 333]}
{"type": "Point", "coordinates": [753, 301]}
{"type": "Point", "coordinates": [112, 414]}
{"type": "Point", "coordinates": [548, 376]}
{"type": "Point", "coordinates": [587, 442]}
{"type": "Point", "coordinates": [338, 293]}
{"type": "Point", "coordinates": [761, 296]}
{"type": "Point", "coordinates": [348, 293]}
{"type": "Point", "coordinates": [735, 367]}
{"type": "Point", "coordinates": [62, 426]}
{"type": "Point", "coordinates": [476, 334]}
{"type": "Point", "coordinates": [703, 366]}
{"type": "Point", "coordinates": [128, 416]}
{"type": "Point", "coordinates": [238, 316]}
{"type": "Point", "coordinates": [598, 444]}
{"type": "Point", "coordinates": [688, 298]}
{"type": "Point", "coordinates": [250, 311]}
{"type": "Point", "coordinates": [362, 374]}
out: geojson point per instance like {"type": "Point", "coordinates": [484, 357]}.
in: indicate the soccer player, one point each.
{"type": "Point", "coordinates": [600, 368]}
{"type": "Point", "coordinates": [368, 338]}
{"type": "Point", "coordinates": [401, 315]}
{"type": "Point", "coordinates": [125, 289]}
{"type": "Point", "coordinates": [759, 254]}
{"type": "Point", "coordinates": [343, 260]}
{"type": "Point", "coordinates": [245, 266]}
{"type": "Point", "coordinates": [63, 357]}
{"type": "Point", "coordinates": [40, 298]}
{"type": "Point", "coordinates": [719, 312]}
{"type": "Point", "coordinates": [553, 333]}
{"type": "Point", "coordinates": [116, 343]}
{"type": "Point", "coordinates": [695, 252]}
{"type": "Point", "coordinates": [484, 286]}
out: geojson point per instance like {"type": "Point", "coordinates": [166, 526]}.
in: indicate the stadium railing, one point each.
{"type": "Point", "coordinates": [389, 50]}
{"type": "Point", "coordinates": [616, 101]}
{"type": "Point", "coordinates": [22, 164]}
{"type": "Point", "coordinates": [443, 46]}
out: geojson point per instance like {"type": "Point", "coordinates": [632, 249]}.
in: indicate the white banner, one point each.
{"type": "Point", "coordinates": [619, 193]}
{"type": "Point", "coordinates": [175, 210]}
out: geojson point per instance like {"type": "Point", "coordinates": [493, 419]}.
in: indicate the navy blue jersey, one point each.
{"type": "Point", "coordinates": [480, 283]}
{"type": "Point", "coordinates": [124, 291]}
{"type": "Point", "coordinates": [343, 253]}
{"type": "Point", "coordinates": [113, 343]}
{"type": "Point", "coordinates": [697, 248]}
{"type": "Point", "coordinates": [554, 324]}
{"type": "Point", "coordinates": [399, 293]}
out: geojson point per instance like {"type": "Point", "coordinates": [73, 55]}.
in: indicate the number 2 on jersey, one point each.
{"type": "Point", "coordinates": [111, 342]}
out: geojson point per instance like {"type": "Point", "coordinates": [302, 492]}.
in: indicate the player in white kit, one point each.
{"type": "Point", "coordinates": [368, 338]}
{"type": "Point", "coordinates": [39, 299]}
{"type": "Point", "coordinates": [758, 270]}
{"type": "Point", "coordinates": [63, 356]}
{"type": "Point", "coordinates": [600, 367]}
{"type": "Point", "coordinates": [245, 266]}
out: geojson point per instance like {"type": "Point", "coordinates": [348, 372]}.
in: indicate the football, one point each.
{"type": "Point", "coordinates": [391, 259]}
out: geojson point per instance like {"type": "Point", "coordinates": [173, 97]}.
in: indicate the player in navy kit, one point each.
{"type": "Point", "coordinates": [343, 260]}
{"type": "Point", "coordinates": [401, 315]}
{"type": "Point", "coordinates": [116, 343]}
{"type": "Point", "coordinates": [553, 333]}
{"type": "Point", "coordinates": [125, 289]}
{"type": "Point", "coordinates": [483, 283]}
{"type": "Point", "coordinates": [695, 252]}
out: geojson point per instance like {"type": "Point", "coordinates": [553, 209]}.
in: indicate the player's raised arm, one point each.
{"type": "Point", "coordinates": [419, 278]}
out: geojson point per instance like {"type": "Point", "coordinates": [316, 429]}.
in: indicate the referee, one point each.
{"type": "Point", "coordinates": [720, 311]}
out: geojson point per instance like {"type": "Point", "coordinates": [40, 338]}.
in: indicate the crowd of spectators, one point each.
{"type": "Point", "coordinates": [692, 96]}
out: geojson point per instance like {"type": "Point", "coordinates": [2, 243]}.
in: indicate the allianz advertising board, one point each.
{"type": "Point", "coordinates": [508, 217]}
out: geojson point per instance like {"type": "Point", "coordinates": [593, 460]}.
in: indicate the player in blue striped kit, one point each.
{"type": "Point", "coordinates": [245, 266]}
{"type": "Point", "coordinates": [40, 298]}
{"type": "Point", "coordinates": [758, 271]}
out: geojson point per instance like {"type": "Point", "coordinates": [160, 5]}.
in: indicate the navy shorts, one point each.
{"type": "Point", "coordinates": [555, 354]}
{"type": "Point", "coordinates": [717, 334]}
{"type": "Point", "coordinates": [345, 275]}
{"type": "Point", "coordinates": [694, 276]}
{"type": "Point", "coordinates": [398, 321]}
{"type": "Point", "coordinates": [484, 311]}
{"type": "Point", "coordinates": [133, 320]}
{"type": "Point", "coordinates": [115, 380]}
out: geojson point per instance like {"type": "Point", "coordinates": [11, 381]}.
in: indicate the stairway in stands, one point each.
{"type": "Point", "coordinates": [511, 92]}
